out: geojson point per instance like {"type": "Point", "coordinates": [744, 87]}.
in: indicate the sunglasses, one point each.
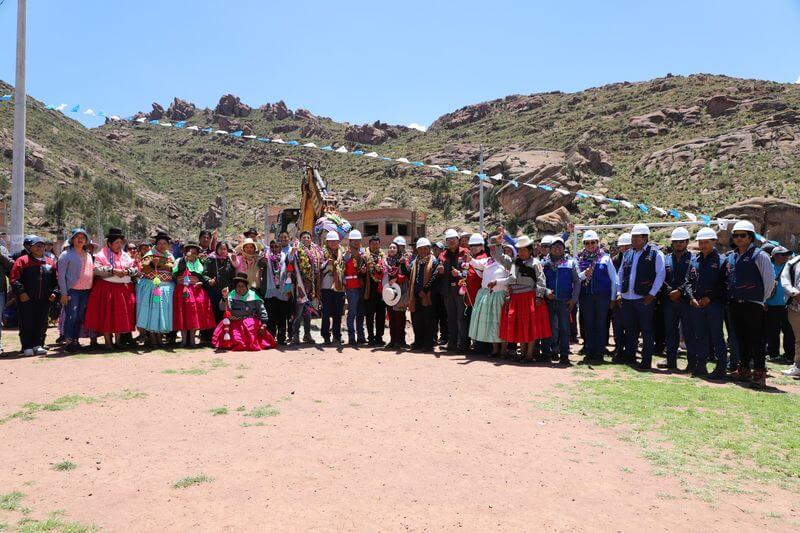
{"type": "Point", "coordinates": [741, 235]}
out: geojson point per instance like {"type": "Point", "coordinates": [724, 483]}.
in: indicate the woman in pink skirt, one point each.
{"type": "Point", "coordinates": [244, 327]}
{"type": "Point", "coordinates": [191, 308]}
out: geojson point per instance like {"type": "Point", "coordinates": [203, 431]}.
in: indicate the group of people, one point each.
{"type": "Point", "coordinates": [474, 293]}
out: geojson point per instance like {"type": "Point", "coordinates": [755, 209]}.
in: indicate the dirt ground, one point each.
{"type": "Point", "coordinates": [364, 440]}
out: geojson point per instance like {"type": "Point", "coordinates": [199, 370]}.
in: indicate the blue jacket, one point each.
{"type": "Point", "coordinates": [706, 277]}
{"type": "Point", "coordinates": [645, 270]}
{"type": "Point", "coordinates": [562, 278]}
{"type": "Point", "coordinates": [70, 266]}
{"type": "Point", "coordinates": [745, 279]}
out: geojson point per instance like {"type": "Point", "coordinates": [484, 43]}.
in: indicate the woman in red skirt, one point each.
{"type": "Point", "coordinates": [244, 327]}
{"type": "Point", "coordinates": [191, 306]}
{"type": "Point", "coordinates": [111, 309]}
{"type": "Point", "coordinates": [525, 319]}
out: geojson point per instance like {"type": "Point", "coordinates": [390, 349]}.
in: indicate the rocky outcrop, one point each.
{"type": "Point", "coordinates": [720, 104]}
{"type": "Point", "coordinates": [590, 160]}
{"type": "Point", "coordinates": [315, 130]}
{"type": "Point", "coordinates": [285, 128]}
{"type": "Point", "coordinates": [780, 133]}
{"type": "Point", "coordinates": [462, 153]}
{"type": "Point", "coordinates": [180, 110]}
{"type": "Point", "coordinates": [375, 133]}
{"type": "Point", "coordinates": [229, 124]}
{"type": "Point", "coordinates": [659, 122]}
{"type": "Point", "coordinates": [472, 113]}
{"type": "Point", "coordinates": [777, 219]}
{"type": "Point", "coordinates": [231, 106]}
{"type": "Point", "coordinates": [554, 221]}
{"type": "Point", "coordinates": [212, 218]}
{"type": "Point", "coordinates": [304, 114]}
{"type": "Point", "coordinates": [157, 113]}
{"type": "Point", "coordinates": [276, 111]}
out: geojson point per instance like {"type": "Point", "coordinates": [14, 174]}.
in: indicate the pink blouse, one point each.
{"type": "Point", "coordinates": [87, 275]}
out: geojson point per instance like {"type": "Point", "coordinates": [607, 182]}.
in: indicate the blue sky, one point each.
{"type": "Point", "coordinates": [401, 62]}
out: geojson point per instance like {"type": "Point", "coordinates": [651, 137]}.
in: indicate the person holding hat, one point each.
{"type": "Point", "coordinates": [453, 262]}
{"type": "Point", "coordinates": [155, 290]}
{"type": "Point", "coordinates": [244, 323]}
{"type": "Point", "coordinates": [372, 298]}
{"type": "Point", "coordinates": [641, 278]}
{"type": "Point", "coordinates": [420, 302]}
{"type": "Point", "coordinates": [395, 293]}
{"type": "Point", "coordinates": [355, 266]}
{"type": "Point", "coordinates": [563, 290]}
{"type": "Point", "coordinates": [777, 319]}
{"type": "Point", "coordinates": [790, 282]}
{"type": "Point", "coordinates": [705, 289]}
{"type": "Point", "coordinates": [75, 277]}
{"type": "Point", "coordinates": [111, 310]}
{"type": "Point", "coordinates": [35, 284]}
{"type": "Point", "coordinates": [676, 306]}
{"type": "Point", "coordinates": [751, 279]}
{"type": "Point", "coordinates": [245, 260]}
{"type": "Point", "coordinates": [191, 310]}
{"type": "Point", "coordinates": [332, 289]}
{"type": "Point", "coordinates": [598, 282]}
{"type": "Point", "coordinates": [484, 325]}
{"type": "Point", "coordinates": [276, 286]}
{"type": "Point", "coordinates": [522, 321]}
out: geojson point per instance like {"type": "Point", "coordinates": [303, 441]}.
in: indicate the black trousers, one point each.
{"type": "Point", "coordinates": [777, 323]}
{"type": "Point", "coordinates": [375, 311]}
{"type": "Point", "coordinates": [748, 324]}
{"type": "Point", "coordinates": [397, 327]}
{"type": "Point", "coordinates": [278, 312]}
{"type": "Point", "coordinates": [424, 324]}
{"type": "Point", "coordinates": [457, 321]}
{"type": "Point", "coordinates": [439, 317]}
{"type": "Point", "coordinates": [659, 328]}
{"type": "Point", "coordinates": [32, 322]}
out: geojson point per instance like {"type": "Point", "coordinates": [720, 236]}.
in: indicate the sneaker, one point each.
{"type": "Point", "coordinates": [792, 371]}
{"type": "Point", "coordinates": [27, 352]}
{"type": "Point", "coordinates": [38, 350]}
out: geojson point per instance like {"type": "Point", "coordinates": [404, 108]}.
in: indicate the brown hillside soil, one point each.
{"type": "Point", "coordinates": [364, 440]}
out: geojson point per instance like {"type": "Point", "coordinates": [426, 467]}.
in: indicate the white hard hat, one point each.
{"type": "Point", "coordinates": [706, 233]}
{"type": "Point", "coordinates": [744, 225]}
{"type": "Point", "coordinates": [624, 240]}
{"type": "Point", "coordinates": [680, 234]}
{"type": "Point", "coordinates": [640, 229]}
{"type": "Point", "coordinates": [354, 235]}
{"type": "Point", "coordinates": [422, 241]}
{"type": "Point", "coordinates": [399, 240]}
{"type": "Point", "coordinates": [556, 239]}
{"type": "Point", "coordinates": [476, 239]}
{"type": "Point", "coordinates": [590, 235]}
{"type": "Point", "coordinates": [547, 240]}
{"type": "Point", "coordinates": [332, 236]}
{"type": "Point", "coordinates": [451, 234]}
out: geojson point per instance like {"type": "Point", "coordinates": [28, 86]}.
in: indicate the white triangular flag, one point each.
{"type": "Point", "coordinates": [90, 112]}
{"type": "Point", "coordinates": [193, 128]}
{"type": "Point", "coordinates": [402, 160]}
{"type": "Point", "coordinates": [341, 150]}
{"type": "Point", "coordinates": [371, 154]}
{"type": "Point", "coordinates": [310, 145]}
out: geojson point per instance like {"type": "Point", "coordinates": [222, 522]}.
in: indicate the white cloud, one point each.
{"type": "Point", "coordinates": [798, 79]}
{"type": "Point", "coordinates": [420, 127]}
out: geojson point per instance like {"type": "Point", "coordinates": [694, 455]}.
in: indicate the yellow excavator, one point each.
{"type": "Point", "coordinates": [315, 201]}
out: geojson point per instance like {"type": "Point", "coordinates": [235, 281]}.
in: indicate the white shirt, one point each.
{"type": "Point", "coordinates": [660, 274]}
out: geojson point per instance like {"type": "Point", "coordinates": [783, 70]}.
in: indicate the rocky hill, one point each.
{"type": "Point", "coordinates": [698, 143]}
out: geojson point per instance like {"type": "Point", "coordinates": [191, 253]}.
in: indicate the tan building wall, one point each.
{"type": "Point", "coordinates": [389, 223]}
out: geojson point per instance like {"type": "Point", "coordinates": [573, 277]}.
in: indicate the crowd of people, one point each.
{"type": "Point", "coordinates": [488, 294]}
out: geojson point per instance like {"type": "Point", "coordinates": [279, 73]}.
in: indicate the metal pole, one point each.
{"type": "Point", "coordinates": [224, 207]}
{"type": "Point", "coordinates": [480, 184]}
{"type": "Point", "coordinates": [18, 160]}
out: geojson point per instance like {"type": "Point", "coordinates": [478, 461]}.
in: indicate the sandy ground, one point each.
{"type": "Point", "coordinates": [365, 440]}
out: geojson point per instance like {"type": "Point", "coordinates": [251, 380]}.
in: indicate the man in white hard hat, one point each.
{"type": "Point", "coordinates": [777, 320]}
{"type": "Point", "coordinates": [750, 283]}
{"type": "Point", "coordinates": [451, 270]}
{"type": "Point", "coordinates": [676, 306]}
{"type": "Point", "coordinates": [623, 245]}
{"type": "Point", "coordinates": [374, 308]}
{"type": "Point", "coordinates": [355, 266]}
{"type": "Point", "coordinates": [563, 288]}
{"type": "Point", "coordinates": [705, 289]}
{"type": "Point", "coordinates": [331, 289]}
{"type": "Point", "coordinates": [790, 281]}
{"type": "Point", "coordinates": [422, 280]}
{"type": "Point", "coordinates": [544, 246]}
{"type": "Point", "coordinates": [641, 279]}
{"type": "Point", "coordinates": [598, 288]}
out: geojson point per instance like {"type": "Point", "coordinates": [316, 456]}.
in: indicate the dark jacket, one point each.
{"type": "Point", "coordinates": [37, 278]}
{"type": "Point", "coordinates": [5, 269]}
{"type": "Point", "coordinates": [220, 269]}
{"type": "Point", "coordinates": [706, 277]}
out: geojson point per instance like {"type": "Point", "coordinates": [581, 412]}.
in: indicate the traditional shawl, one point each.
{"type": "Point", "coordinates": [162, 267]}
{"type": "Point", "coordinates": [249, 296]}
{"type": "Point", "coordinates": [375, 266]}
{"type": "Point", "coordinates": [412, 289]}
{"type": "Point", "coordinates": [107, 258]}
{"type": "Point", "coordinates": [336, 266]}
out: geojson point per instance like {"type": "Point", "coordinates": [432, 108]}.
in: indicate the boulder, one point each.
{"type": "Point", "coordinates": [588, 159]}
{"type": "Point", "coordinates": [721, 104]}
{"type": "Point", "coordinates": [231, 106]}
{"type": "Point", "coordinates": [375, 133]}
{"type": "Point", "coordinates": [778, 219]}
{"type": "Point", "coordinates": [229, 124]}
{"type": "Point", "coordinates": [35, 160]}
{"type": "Point", "coordinates": [276, 111]}
{"type": "Point", "coordinates": [157, 113]}
{"type": "Point", "coordinates": [314, 129]}
{"type": "Point", "coordinates": [180, 110]}
{"type": "Point", "coordinates": [461, 117]}
{"type": "Point", "coordinates": [650, 124]}
{"type": "Point", "coordinates": [212, 218]}
{"type": "Point", "coordinates": [285, 128]}
{"type": "Point", "coordinates": [462, 153]}
{"type": "Point", "coordinates": [553, 222]}
{"type": "Point", "coordinates": [524, 103]}
{"type": "Point", "coordinates": [304, 114]}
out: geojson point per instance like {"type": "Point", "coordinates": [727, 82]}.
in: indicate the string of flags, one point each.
{"type": "Point", "coordinates": [452, 169]}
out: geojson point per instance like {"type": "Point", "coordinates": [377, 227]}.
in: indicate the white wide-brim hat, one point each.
{"type": "Point", "coordinates": [391, 294]}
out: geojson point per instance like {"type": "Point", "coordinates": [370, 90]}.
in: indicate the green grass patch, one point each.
{"type": "Point", "coordinates": [217, 411]}
{"type": "Point", "coordinates": [242, 367]}
{"type": "Point", "coordinates": [64, 403]}
{"type": "Point", "coordinates": [253, 424]}
{"type": "Point", "coordinates": [53, 523]}
{"type": "Point", "coordinates": [717, 435]}
{"type": "Point", "coordinates": [64, 466]}
{"type": "Point", "coordinates": [192, 480]}
{"type": "Point", "coordinates": [263, 411]}
{"type": "Point", "coordinates": [241, 409]}
{"type": "Point", "coordinates": [218, 363]}
{"type": "Point", "coordinates": [10, 501]}
{"type": "Point", "coordinates": [187, 371]}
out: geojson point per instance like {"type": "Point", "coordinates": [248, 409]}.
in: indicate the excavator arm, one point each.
{"type": "Point", "coordinates": [315, 200]}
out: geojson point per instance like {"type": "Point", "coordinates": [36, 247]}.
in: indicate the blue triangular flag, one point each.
{"type": "Point", "coordinates": [263, 139]}
{"type": "Point", "coordinates": [101, 114]}
{"type": "Point", "coordinates": [643, 207]}
{"type": "Point", "coordinates": [545, 187]}
{"type": "Point", "coordinates": [237, 133]}
{"type": "Point", "coordinates": [75, 108]}
{"type": "Point", "coordinates": [154, 121]}
{"type": "Point", "coordinates": [705, 218]}
{"type": "Point", "coordinates": [418, 163]}
{"type": "Point", "coordinates": [292, 143]}
{"type": "Point", "coordinates": [328, 148]}
{"type": "Point", "coordinates": [580, 194]}
{"type": "Point", "coordinates": [674, 213]}
{"type": "Point", "coordinates": [515, 183]}
{"type": "Point", "coordinates": [481, 176]}
{"type": "Point", "coordinates": [207, 130]}
{"type": "Point", "coordinates": [613, 200]}
{"type": "Point", "coordinates": [180, 124]}
{"type": "Point", "coordinates": [760, 237]}
{"type": "Point", "coordinates": [384, 158]}
{"type": "Point", "coordinates": [451, 168]}
{"type": "Point", "coordinates": [5, 98]}
{"type": "Point", "coordinates": [358, 152]}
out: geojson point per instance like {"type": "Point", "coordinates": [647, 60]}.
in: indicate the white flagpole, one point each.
{"type": "Point", "coordinates": [18, 160]}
